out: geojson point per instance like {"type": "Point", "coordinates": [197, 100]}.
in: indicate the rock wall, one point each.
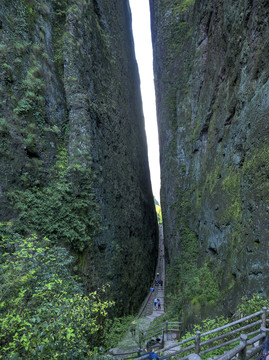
{"type": "Point", "coordinates": [70, 91]}
{"type": "Point", "coordinates": [211, 78]}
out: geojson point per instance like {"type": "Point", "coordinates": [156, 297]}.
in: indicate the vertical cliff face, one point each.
{"type": "Point", "coordinates": [212, 87]}
{"type": "Point", "coordinates": [72, 133]}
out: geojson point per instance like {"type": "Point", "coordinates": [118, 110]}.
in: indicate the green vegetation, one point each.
{"type": "Point", "coordinates": [114, 330]}
{"type": "Point", "coordinates": [183, 5]}
{"type": "Point", "coordinates": [206, 290]}
{"type": "Point", "coordinates": [33, 87]}
{"type": "Point", "coordinates": [60, 8]}
{"type": "Point", "coordinates": [177, 27]}
{"type": "Point", "coordinates": [246, 307]}
{"type": "Point", "coordinates": [21, 47]}
{"type": "Point", "coordinates": [64, 211]}
{"type": "Point", "coordinates": [207, 325]}
{"type": "Point", "coordinates": [178, 6]}
{"type": "Point", "coordinates": [251, 305]}
{"type": "Point", "coordinates": [212, 178]}
{"type": "Point", "coordinates": [44, 313]}
{"type": "Point", "coordinates": [4, 127]}
{"type": "Point", "coordinates": [256, 172]}
{"type": "Point", "coordinates": [7, 72]}
{"type": "Point", "coordinates": [159, 214]}
{"type": "Point", "coordinates": [3, 49]}
{"type": "Point", "coordinates": [231, 188]}
{"type": "Point", "coordinates": [188, 283]}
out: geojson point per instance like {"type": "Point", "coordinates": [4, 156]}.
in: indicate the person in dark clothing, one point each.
{"type": "Point", "coordinates": [152, 355]}
{"type": "Point", "coordinates": [265, 345]}
{"type": "Point", "coordinates": [151, 290]}
{"type": "Point", "coordinates": [155, 304]}
{"type": "Point", "coordinates": [265, 349]}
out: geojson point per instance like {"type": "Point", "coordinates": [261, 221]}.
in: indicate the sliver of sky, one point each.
{"type": "Point", "coordinates": [143, 50]}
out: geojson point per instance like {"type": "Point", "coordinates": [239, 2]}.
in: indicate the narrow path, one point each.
{"type": "Point", "coordinates": [159, 290]}
{"type": "Point", "coordinates": [147, 314]}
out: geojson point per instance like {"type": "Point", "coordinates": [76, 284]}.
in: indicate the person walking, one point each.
{"type": "Point", "coordinates": [151, 290]}
{"type": "Point", "coordinates": [152, 355]}
{"type": "Point", "coordinates": [155, 304]}
{"type": "Point", "coordinates": [265, 349]}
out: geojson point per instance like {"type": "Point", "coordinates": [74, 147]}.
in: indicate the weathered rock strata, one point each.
{"type": "Point", "coordinates": [69, 80]}
{"type": "Point", "coordinates": [212, 85]}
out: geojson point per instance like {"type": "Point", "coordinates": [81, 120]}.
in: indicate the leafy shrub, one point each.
{"type": "Point", "coordinates": [208, 325]}
{"type": "Point", "coordinates": [245, 308]}
{"type": "Point", "coordinates": [251, 305]}
{"type": "Point", "coordinates": [33, 87]}
{"type": "Point", "coordinates": [115, 330]}
{"type": "Point", "coordinates": [43, 311]}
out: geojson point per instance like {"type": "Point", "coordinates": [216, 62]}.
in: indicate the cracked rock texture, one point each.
{"type": "Point", "coordinates": [69, 80]}
{"type": "Point", "coordinates": [212, 86]}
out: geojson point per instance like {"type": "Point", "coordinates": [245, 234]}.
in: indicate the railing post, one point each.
{"type": "Point", "coordinates": [242, 354]}
{"type": "Point", "coordinates": [162, 337]}
{"type": "Point", "coordinates": [263, 331]}
{"type": "Point", "coordinates": [263, 323]}
{"type": "Point", "coordinates": [197, 342]}
{"type": "Point", "coordinates": [264, 312]}
{"type": "Point", "coordinates": [166, 329]}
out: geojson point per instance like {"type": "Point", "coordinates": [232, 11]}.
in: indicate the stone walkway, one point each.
{"type": "Point", "coordinates": [148, 309]}
{"type": "Point", "coordinates": [147, 314]}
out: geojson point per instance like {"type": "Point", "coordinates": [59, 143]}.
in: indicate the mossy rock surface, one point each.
{"type": "Point", "coordinates": [69, 81]}
{"type": "Point", "coordinates": [212, 85]}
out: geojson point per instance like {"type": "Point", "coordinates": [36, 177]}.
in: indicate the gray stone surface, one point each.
{"type": "Point", "coordinates": [212, 88]}
{"type": "Point", "coordinates": [69, 80]}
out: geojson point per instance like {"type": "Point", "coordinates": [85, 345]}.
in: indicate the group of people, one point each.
{"type": "Point", "coordinates": [157, 301]}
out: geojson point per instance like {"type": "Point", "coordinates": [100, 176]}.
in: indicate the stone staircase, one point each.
{"type": "Point", "coordinates": [147, 314]}
{"type": "Point", "coordinates": [151, 313]}
{"type": "Point", "coordinates": [148, 305]}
